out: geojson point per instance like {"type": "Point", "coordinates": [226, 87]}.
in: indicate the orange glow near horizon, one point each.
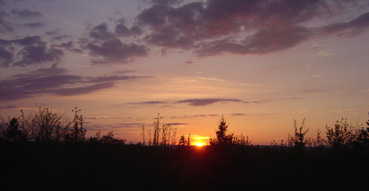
{"type": "Point", "coordinates": [199, 141]}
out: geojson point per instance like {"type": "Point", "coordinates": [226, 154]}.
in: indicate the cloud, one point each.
{"type": "Point", "coordinates": [238, 114]}
{"type": "Point", "coordinates": [202, 102]}
{"type": "Point", "coordinates": [55, 81]}
{"type": "Point", "coordinates": [6, 57]}
{"type": "Point", "coordinates": [5, 26]}
{"type": "Point", "coordinates": [177, 124]}
{"type": "Point", "coordinates": [204, 28]}
{"type": "Point", "coordinates": [8, 107]}
{"type": "Point", "coordinates": [121, 30]}
{"type": "Point", "coordinates": [34, 25]}
{"type": "Point", "coordinates": [52, 32]}
{"type": "Point", "coordinates": [126, 125]}
{"type": "Point", "coordinates": [97, 117]}
{"type": "Point", "coordinates": [343, 110]}
{"type": "Point", "coordinates": [67, 45]}
{"type": "Point", "coordinates": [242, 27]}
{"type": "Point", "coordinates": [37, 54]}
{"type": "Point", "coordinates": [194, 116]}
{"type": "Point", "coordinates": [83, 90]}
{"type": "Point", "coordinates": [25, 13]}
{"type": "Point", "coordinates": [106, 47]}
{"type": "Point", "coordinates": [209, 101]}
{"type": "Point", "coordinates": [113, 50]}
{"type": "Point", "coordinates": [27, 51]}
{"type": "Point", "coordinates": [264, 41]}
{"type": "Point", "coordinates": [100, 32]}
{"type": "Point", "coordinates": [351, 28]}
{"type": "Point", "coordinates": [151, 102]}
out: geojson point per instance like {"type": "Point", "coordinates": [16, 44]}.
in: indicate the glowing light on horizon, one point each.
{"type": "Point", "coordinates": [199, 144]}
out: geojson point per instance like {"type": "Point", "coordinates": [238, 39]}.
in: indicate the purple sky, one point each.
{"type": "Point", "coordinates": [260, 63]}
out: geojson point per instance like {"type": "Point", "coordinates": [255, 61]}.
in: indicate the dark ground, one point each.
{"type": "Point", "coordinates": [58, 166]}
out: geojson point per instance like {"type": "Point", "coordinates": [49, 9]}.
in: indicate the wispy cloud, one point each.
{"type": "Point", "coordinates": [203, 102]}
{"type": "Point", "coordinates": [238, 114]}
{"type": "Point", "coordinates": [8, 107]}
{"type": "Point", "coordinates": [351, 28]}
{"type": "Point", "coordinates": [56, 81]}
{"type": "Point", "coordinates": [34, 24]}
{"type": "Point", "coordinates": [151, 102]}
{"type": "Point", "coordinates": [97, 117]}
{"type": "Point", "coordinates": [343, 110]}
{"type": "Point", "coordinates": [194, 116]}
{"type": "Point", "coordinates": [25, 13]}
{"type": "Point", "coordinates": [209, 101]}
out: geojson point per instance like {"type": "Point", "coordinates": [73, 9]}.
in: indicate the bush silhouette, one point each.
{"type": "Point", "coordinates": [299, 139]}
{"type": "Point", "coordinates": [342, 135]}
{"type": "Point", "coordinates": [45, 125]}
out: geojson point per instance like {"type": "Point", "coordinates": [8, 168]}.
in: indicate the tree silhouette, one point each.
{"type": "Point", "coordinates": [222, 137]}
{"type": "Point", "coordinates": [12, 132]}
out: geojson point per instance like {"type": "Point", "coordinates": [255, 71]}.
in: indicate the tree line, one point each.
{"type": "Point", "coordinates": [341, 135]}
{"type": "Point", "coordinates": [45, 125]}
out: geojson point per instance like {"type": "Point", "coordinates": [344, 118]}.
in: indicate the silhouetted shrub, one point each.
{"type": "Point", "coordinates": [341, 135]}
{"type": "Point", "coordinates": [299, 139]}
{"type": "Point", "coordinates": [77, 133]}
{"type": "Point", "coordinates": [44, 125]}
{"type": "Point", "coordinates": [362, 137]}
{"type": "Point", "coordinates": [105, 139]}
{"type": "Point", "coordinates": [183, 141]}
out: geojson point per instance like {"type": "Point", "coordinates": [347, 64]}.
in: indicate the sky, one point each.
{"type": "Point", "coordinates": [260, 63]}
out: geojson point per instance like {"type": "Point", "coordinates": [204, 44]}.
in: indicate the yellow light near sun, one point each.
{"type": "Point", "coordinates": [199, 144]}
{"type": "Point", "coordinates": [198, 140]}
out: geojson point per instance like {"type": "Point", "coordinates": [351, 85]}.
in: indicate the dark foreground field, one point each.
{"type": "Point", "coordinates": [128, 167]}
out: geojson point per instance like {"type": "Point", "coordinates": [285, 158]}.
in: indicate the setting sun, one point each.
{"type": "Point", "coordinates": [199, 144]}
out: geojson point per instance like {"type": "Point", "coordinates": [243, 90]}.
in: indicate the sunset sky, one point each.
{"type": "Point", "coordinates": [259, 63]}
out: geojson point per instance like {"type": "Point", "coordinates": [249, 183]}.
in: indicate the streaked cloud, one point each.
{"type": "Point", "coordinates": [208, 101]}
{"type": "Point", "coordinates": [343, 110]}
{"type": "Point", "coordinates": [56, 81]}
{"type": "Point", "coordinates": [194, 116]}
{"type": "Point", "coordinates": [97, 117]}
{"type": "Point", "coordinates": [25, 13]}
{"type": "Point", "coordinates": [238, 114]}
{"type": "Point", "coordinates": [34, 24]}
{"type": "Point", "coordinates": [151, 102]}
{"type": "Point", "coordinates": [350, 28]}
{"type": "Point", "coordinates": [8, 107]}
